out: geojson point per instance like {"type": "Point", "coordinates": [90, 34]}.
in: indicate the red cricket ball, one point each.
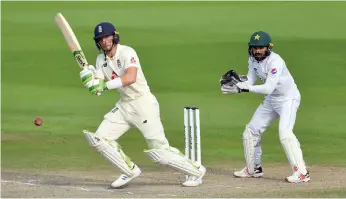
{"type": "Point", "coordinates": [38, 121]}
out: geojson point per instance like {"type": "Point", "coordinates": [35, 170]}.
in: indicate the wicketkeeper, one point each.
{"type": "Point", "coordinates": [282, 101]}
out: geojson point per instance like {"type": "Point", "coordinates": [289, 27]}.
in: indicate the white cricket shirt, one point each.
{"type": "Point", "coordinates": [111, 68]}
{"type": "Point", "coordinates": [278, 83]}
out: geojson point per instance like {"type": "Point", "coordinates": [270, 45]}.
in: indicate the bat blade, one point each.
{"type": "Point", "coordinates": [71, 40]}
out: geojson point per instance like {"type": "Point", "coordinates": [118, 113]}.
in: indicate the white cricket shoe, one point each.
{"type": "Point", "coordinates": [244, 173]}
{"type": "Point", "coordinates": [193, 181]}
{"type": "Point", "coordinates": [123, 179]}
{"type": "Point", "coordinates": [298, 177]}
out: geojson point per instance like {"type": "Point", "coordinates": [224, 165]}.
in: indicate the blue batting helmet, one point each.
{"type": "Point", "coordinates": [105, 29]}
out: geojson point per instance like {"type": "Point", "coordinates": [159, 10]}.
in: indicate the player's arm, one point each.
{"type": "Point", "coordinates": [127, 79]}
{"type": "Point", "coordinates": [131, 66]}
{"type": "Point", "coordinates": [273, 76]}
{"type": "Point", "coordinates": [251, 76]}
{"type": "Point", "coordinates": [130, 76]}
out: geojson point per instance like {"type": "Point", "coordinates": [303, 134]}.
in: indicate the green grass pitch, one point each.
{"type": "Point", "coordinates": [184, 48]}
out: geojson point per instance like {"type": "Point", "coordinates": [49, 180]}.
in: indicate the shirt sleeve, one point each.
{"type": "Point", "coordinates": [251, 76]}
{"type": "Point", "coordinates": [98, 67]}
{"type": "Point", "coordinates": [273, 75]}
{"type": "Point", "coordinates": [131, 59]}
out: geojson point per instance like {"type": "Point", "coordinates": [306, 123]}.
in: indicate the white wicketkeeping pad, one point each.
{"type": "Point", "coordinates": [249, 143]}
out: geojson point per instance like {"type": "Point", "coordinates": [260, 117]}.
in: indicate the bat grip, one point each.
{"type": "Point", "coordinates": [94, 72]}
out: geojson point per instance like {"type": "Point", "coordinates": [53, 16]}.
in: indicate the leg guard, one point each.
{"type": "Point", "coordinates": [111, 151]}
{"type": "Point", "coordinates": [249, 143]}
{"type": "Point", "coordinates": [293, 151]}
{"type": "Point", "coordinates": [174, 159]}
{"type": "Point", "coordinates": [258, 153]}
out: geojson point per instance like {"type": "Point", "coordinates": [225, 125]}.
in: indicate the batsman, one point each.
{"type": "Point", "coordinates": [118, 68]}
{"type": "Point", "coordinates": [281, 101]}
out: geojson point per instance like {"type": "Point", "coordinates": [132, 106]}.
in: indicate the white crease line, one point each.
{"type": "Point", "coordinates": [26, 183]}
{"type": "Point", "coordinates": [166, 194]}
{"type": "Point", "coordinates": [31, 184]}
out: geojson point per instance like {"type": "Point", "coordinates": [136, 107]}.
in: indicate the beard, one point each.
{"type": "Point", "coordinates": [258, 55]}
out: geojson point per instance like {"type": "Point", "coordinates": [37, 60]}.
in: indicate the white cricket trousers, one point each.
{"type": "Point", "coordinates": [266, 113]}
{"type": "Point", "coordinates": [142, 113]}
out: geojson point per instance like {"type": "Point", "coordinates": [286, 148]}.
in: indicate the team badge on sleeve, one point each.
{"type": "Point", "coordinates": [273, 71]}
{"type": "Point", "coordinates": [133, 60]}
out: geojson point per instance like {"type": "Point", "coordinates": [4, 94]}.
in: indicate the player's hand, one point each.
{"type": "Point", "coordinates": [87, 75]}
{"type": "Point", "coordinates": [232, 77]}
{"type": "Point", "coordinates": [227, 78]}
{"type": "Point", "coordinates": [229, 88]}
{"type": "Point", "coordinates": [97, 87]}
{"type": "Point", "coordinates": [243, 86]}
{"type": "Point", "coordinates": [224, 81]}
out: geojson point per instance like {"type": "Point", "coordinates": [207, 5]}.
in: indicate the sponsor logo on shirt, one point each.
{"type": "Point", "coordinates": [273, 71]}
{"type": "Point", "coordinates": [119, 63]}
{"type": "Point", "coordinates": [133, 60]}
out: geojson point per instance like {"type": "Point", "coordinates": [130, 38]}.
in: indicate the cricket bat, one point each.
{"type": "Point", "coordinates": [71, 40]}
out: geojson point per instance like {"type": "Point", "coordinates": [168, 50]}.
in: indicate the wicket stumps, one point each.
{"type": "Point", "coordinates": [192, 138]}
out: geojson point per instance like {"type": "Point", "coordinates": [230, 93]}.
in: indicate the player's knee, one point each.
{"type": "Point", "coordinates": [251, 131]}
{"type": "Point", "coordinates": [100, 132]}
{"type": "Point", "coordinates": [95, 141]}
{"type": "Point", "coordinates": [104, 135]}
{"type": "Point", "coordinates": [103, 128]}
{"type": "Point", "coordinates": [99, 143]}
{"type": "Point", "coordinates": [286, 134]}
{"type": "Point", "coordinates": [157, 143]}
{"type": "Point", "coordinates": [107, 131]}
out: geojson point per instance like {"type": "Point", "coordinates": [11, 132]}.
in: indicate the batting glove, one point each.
{"type": "Point", "coordinates": [87, 75]}
{"type": "Point", "coordinates": [97, 87]}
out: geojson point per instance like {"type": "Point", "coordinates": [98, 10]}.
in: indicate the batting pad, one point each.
{"type": "Point", "coordinates": [293, 152]}
{"type": "Point", "coordinates": [249, 143]}
{"type": "Point", "coordinates": [174, 159]}
{"type": "Point", "coordinates": [111, 151]}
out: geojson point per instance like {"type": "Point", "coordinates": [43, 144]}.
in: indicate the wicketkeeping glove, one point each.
{"type": "Point", "coordinates": [229, 81]}
{"type": "Point", "coordinates": [232, 78]}
{"type": "Point", "coordinates": [229, 89]}
{"type": "Point", "coordinates": [243, 86]}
